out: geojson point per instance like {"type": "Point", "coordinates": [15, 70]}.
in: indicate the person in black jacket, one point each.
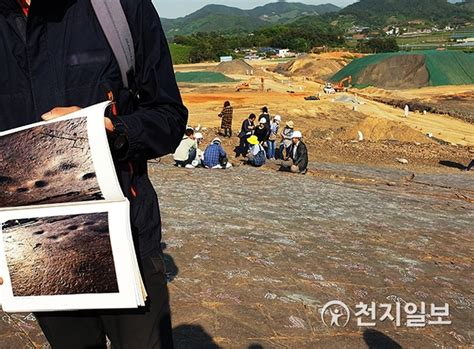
{"type": "Point", "coordinates": [55, 59]}
{"type": "Point", "coordinates": [297, 162]}
{"type": "Point", "coordinates": [262, 132]}
{"type": "Point", "coordinates": [248, 127]}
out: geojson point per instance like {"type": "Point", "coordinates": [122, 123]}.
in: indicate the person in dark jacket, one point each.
{"type": "Point", "coordinates": [265, 114]}
{"type": "Point", "coordinates": [262, 132]}
{"type": "Point", "coordinates": [248, 127]}
{"type": "Point", "coordinates": [298, 156]}
{"type": "Point", "coordinates": [227, 114]}
{"type": "Point", "coordinates": [55, 59]}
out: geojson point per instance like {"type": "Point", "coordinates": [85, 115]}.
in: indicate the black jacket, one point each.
{"type": "Point", "coordinates": [301, 158]}
{"type": "Point", "coordinates": [247, 128]}
{"type": "Point", "coordinates": [262, 133]}
{"type": "Point", "coordinates": [59, 56]}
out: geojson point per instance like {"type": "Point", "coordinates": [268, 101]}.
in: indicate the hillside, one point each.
{"type": "Point", "coordinates": [381, 12]}
{"type": "Point", "coordinates": [225, 19]}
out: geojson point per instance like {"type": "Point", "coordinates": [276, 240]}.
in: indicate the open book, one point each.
{"type": "Point", "coordinates": [66, 240]}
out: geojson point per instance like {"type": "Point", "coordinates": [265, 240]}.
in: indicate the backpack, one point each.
{"type": "Point", "coordinates": [260, 158]}
{"type": "Point", "coordinates": [117, 31]}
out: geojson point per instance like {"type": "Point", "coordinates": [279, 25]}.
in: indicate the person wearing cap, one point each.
{"type": "Point", "coordinates": [199, 153]}
{"type": "Point", "coordinates": [298, 159]}
{"type": "Point", "coordinates": [215, 155]}
{"type": "Point", "coordinates": [186, 152]}
{"type": "Point", "coordinates": [256, 155]}
{"type": "Point", "coordinates": [262, 131]}
{"type": "Point", "coordinates": [286, 142]}
{"type": "Point", "coordinates": [274, 127]}
{"type": "Point", "coordinates": [248, 127]}
{"type": "Point", "coordinates": [226, 115]}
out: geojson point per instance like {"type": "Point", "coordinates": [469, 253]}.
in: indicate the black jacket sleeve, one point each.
{"type": "Point", "coordinates": [156, 127]}
{"type": "Point", "coordinates": [301, 156]}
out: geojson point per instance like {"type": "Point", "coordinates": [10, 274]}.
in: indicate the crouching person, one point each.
{"type": "Point", "coordinates": [297, 162]}
{"type": "Point", "coordinates": [185, 154]}
{"type": "Point", "coordinates": [256, 155]}
{"type": "Point", "coordinates": [215, 156]}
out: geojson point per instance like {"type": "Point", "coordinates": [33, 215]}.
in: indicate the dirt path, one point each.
{"type": "Point", "coordinates": [443, 127]}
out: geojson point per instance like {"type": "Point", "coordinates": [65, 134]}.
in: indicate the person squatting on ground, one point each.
{"type": "Point", "coordinates": [248, 126]}
{"type": "Point", "coordinates": [215, 156]}
{"type": "Point", "coordinates": [186, 153]}
{"type": "Point", "coordinates": [274, 127]}
{"type": "Point", "coordinates": [256, 155]}
{"type": "Point", "coordinates": [199, 153]}
{"type": "Point", "coordinates": [298, 159]}
{"type": "Point", "coordinates": [286, 135]}
{"type": "Point", "coordinates": [55, 59]}
{"type": "Point", "coordinates": [226, 115]}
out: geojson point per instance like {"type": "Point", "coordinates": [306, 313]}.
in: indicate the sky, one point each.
{"type": "Point", "coordinates": [180, 8]}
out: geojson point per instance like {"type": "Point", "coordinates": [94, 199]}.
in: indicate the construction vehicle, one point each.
{"type": "Point", "coordinates": [250, 85]}
{"type": "Point", "coordinates": [340, 87]}
{"type": "Point", "coordinates": [329, 89]}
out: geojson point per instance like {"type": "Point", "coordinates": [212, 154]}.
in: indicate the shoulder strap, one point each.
{"type": "Point", "coordinates": [115, 26]}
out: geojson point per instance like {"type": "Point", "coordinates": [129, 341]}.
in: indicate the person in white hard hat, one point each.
{"type": "Point", "coordinates": [298, 156]}
{"type": "Point", "coordinates": [262, 131]}
{"type": "Point", "coordinates": [215, 155]}
{"type": "Point", "coordinates": [199, 153]}
{"type": "Point", "coordinates": [274, 127]}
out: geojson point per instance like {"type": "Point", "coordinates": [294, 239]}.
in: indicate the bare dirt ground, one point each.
{"type": "Point", "coordinates": [254, 254]}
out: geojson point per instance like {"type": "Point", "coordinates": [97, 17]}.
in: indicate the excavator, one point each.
{"type": "Point", "coordinates": [340, 87]}
{"type": "Point", "coordinates": [247, 85]}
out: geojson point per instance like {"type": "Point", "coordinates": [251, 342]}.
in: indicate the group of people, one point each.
{"type": "Point", "coordinates": [258, 143]}
{"type": "Point", "coordinates": [189, 155]}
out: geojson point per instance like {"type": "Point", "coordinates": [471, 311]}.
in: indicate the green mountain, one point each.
{"type": "Point", "coordinates": [225, 19]}
{"type": "Point", "coordinates": [382, 12]}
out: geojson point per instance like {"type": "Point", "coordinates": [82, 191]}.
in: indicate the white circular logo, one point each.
{"type": "Point", "coordinates": [336, 311]}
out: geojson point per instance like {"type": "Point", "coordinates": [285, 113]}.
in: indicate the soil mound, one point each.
{"type": "Point", "coordinates": [397, 72]}
{"type": "Point", "coordinates": [316, 67]}
{"type": "Point", "coordinates": [375, 129]}
{"type": "Point", "coordinates": [237, 67]}
{"type": "Point", "coordinates": [404, 70]}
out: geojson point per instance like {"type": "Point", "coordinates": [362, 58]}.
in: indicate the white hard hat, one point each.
{"type": "Point", "coordinates": [277, 117]}
{"type": "Point", "coordinates": [263, 120]}
{"type": "Point", "coordinates": [216, 140]}
{"type": "Point", "coordinates": [198, 135]}
{"type": "Point", "coordinates": [297, 134]}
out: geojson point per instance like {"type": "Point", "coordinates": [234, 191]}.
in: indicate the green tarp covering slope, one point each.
{"type": "Point", "coordinates": [410, 69]}
{"type": "Point", "coordinates": [202, 77]}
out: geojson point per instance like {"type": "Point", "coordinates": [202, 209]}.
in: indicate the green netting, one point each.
{"type": "Point", "coordinates": [200, 77]}
{"type": "Point", "coordinates": [444, 67]}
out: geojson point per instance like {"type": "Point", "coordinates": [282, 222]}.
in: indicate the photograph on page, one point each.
{"type": "Point", "coordinates": [66, 258]}
{"type": "Point", "coordinates": [62, 161]}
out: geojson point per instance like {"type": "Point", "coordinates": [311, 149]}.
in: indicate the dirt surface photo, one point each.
{"type": "Point", "coordinates": [60, 255]}
{"type": "Point", "coordinates": [47, 164]}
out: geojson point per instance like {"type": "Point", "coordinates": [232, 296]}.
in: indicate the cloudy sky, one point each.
{"type": "Point", "coordinates": [179, 8]}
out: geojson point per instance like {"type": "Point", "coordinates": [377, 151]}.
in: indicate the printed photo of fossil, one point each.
{"type": "Point", "coordinates": [62, 255]}
{"type": "Point", "coordinates": [47, 164]}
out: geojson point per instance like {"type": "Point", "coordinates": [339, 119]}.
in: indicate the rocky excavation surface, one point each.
{"type": "Point", "coordinates": [253, 255]}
